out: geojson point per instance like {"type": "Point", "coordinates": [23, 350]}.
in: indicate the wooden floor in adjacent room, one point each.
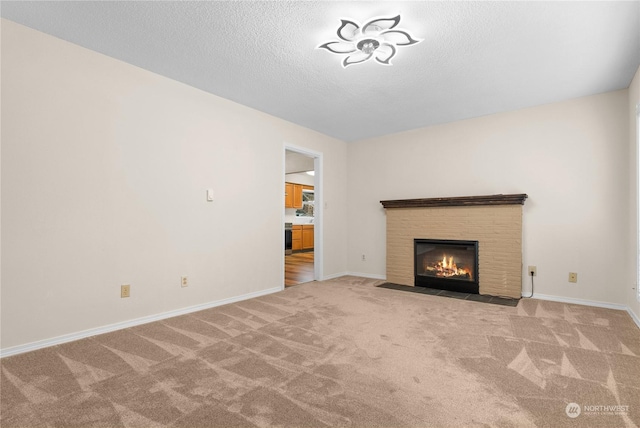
{"type": "Point", "coordinates": [298, 268]}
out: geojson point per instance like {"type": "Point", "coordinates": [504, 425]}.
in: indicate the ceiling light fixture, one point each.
{"type": "Point", "coordinates": [376, 39]}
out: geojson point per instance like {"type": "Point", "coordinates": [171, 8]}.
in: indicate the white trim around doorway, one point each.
{"type": "Point", "coordinates": [318, 211]}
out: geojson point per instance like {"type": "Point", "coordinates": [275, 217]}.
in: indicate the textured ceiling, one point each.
{"type": "Point", "coordinates": [475, 58]}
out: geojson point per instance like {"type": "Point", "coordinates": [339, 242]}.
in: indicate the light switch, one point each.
{"type": "Point", "coordinates": [209, 195]}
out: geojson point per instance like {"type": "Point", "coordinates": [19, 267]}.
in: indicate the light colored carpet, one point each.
{"type": "Point", "coordinates": [339, 353]}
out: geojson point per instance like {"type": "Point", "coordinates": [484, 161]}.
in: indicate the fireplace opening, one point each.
{"type": "Point", "coordinates": [446, 264]}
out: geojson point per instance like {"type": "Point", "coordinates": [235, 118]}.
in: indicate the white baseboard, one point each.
{"type": "Point", "coordinates": [363, 275]}
{"type": "Point", "coordinates": [634, 317]}
{"type": "Point", "coordinates": [578, 301]}
{"type": "Point", "coordinates": [367, 275]}
{"type": "Point", "coordinates": [334, 276]}
{"type": "Point", "coordinates": [588, 303]}
{"type": "Point", "coordinates": [14, 350]}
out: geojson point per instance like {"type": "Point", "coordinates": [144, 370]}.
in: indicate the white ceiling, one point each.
{"type": "Point", "coordinates": [475, 58]}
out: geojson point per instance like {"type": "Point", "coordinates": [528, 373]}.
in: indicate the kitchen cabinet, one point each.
{"type": "Point", "coordinates": [292, 195]}
{"type": "Point", "coordinates": [297, 196]}
{"type": "Point", "coordinates": [288, 195]}
{"type": "Point", "coordinates": [296, 237]}
{"type": "Point", "coordinates": [302, 237]}
{"type": "Point", "coordinates": [307, 236]}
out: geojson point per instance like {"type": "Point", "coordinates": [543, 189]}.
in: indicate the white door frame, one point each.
{"type": "Point", "coordinates": [318, 208]}
{"type": "Point", "coordinates": [637, 170]}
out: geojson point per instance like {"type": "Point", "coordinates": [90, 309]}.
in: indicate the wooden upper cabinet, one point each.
{"type": "Point", "coordinates": [292, 195]}
{"type": "Point", "coordinates": [297, 196]}
{"type": "Point", "coordinates": [288, 195]}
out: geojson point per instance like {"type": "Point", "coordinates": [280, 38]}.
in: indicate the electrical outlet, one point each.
{"type": "Point", "coordinates": [125, 290]}
{"type": "Point", "coordinates": [533, 271]}
{"type": "Point", "coordinates": [183, 281]}
{"type": "Point", "coordinates": [573, 277]}
{"type": "Point", "coordinates": [364, 259]}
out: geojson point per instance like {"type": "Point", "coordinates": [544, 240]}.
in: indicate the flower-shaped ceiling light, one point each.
{"type": "Point", "coordinates": [376, 39]}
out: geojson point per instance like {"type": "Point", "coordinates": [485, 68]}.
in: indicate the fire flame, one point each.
{"type": "Point", "coordinates": [451, 265]}
{"type": "Point", "coordinates": [447, 267]}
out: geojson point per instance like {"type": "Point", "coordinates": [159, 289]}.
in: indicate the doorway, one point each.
{"type": "Point", "coordinates": [302, 216]}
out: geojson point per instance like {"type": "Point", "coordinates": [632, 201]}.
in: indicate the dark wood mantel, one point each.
{"type": "Point", "coordinates": [458, 201]}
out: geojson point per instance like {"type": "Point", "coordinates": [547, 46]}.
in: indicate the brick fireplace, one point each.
{"type": "Point", "coordinates": [494, 221]}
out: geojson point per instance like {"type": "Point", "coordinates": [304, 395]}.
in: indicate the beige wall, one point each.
{"type": "Point", "coordinates": [571, 158]}
{"type": "Point", "coordinates": [105, 166]}
{"type": "Point", "coordinates": [104, 173]}
{"type": "Point", "coordinates": [630, 296]}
